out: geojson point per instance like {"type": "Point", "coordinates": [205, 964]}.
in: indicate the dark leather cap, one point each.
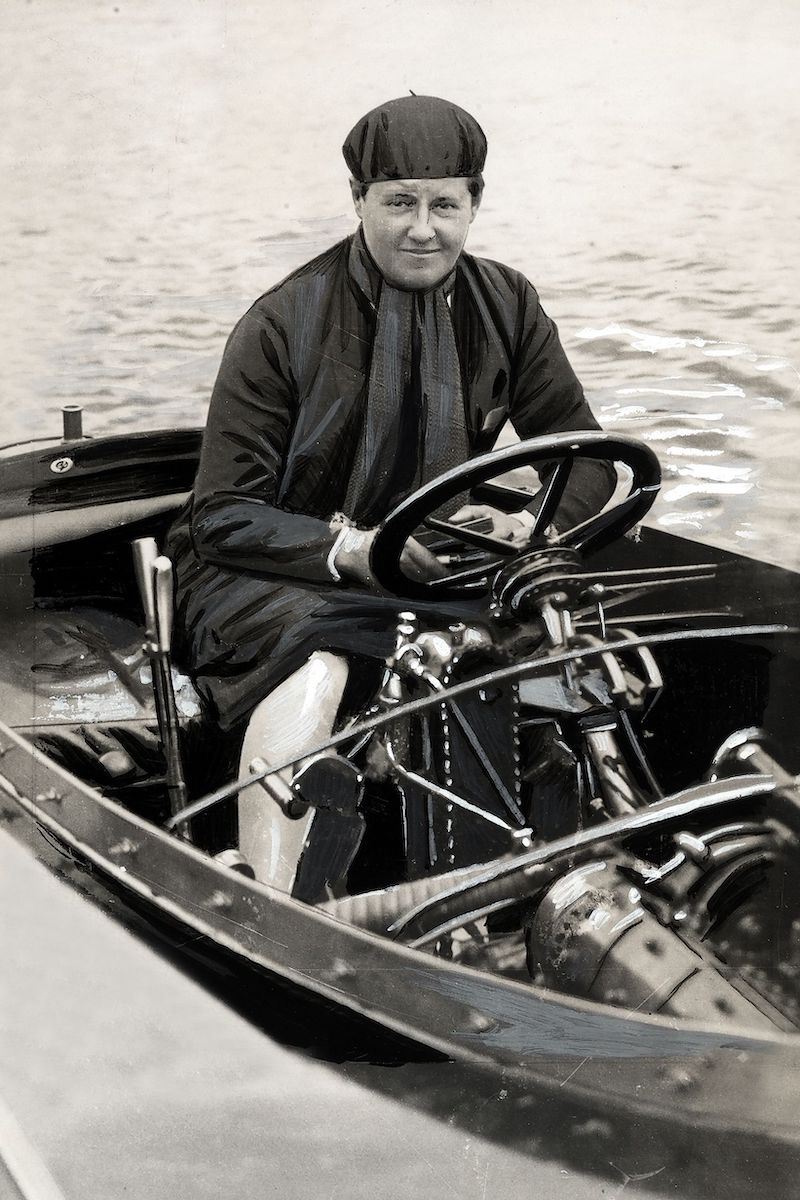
{"type": "Point", "coordinates": [415, 137]}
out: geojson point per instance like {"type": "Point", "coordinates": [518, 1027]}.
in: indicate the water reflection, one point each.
{"type": "Point", "coordinates": [721, 438]}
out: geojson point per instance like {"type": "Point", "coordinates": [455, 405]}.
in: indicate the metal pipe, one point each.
{"type": "Point", "coordinates": [449, 797]}
{"type": "Point", "coordinates": [154, 577]}
{"type": "Point", "coordinates": [72, 418]}
{"type": "Point", "coordinates": [163, 586]}
{"type": "Point", "coordinates": [641, 572]}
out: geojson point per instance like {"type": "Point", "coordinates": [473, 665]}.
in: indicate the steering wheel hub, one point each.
{"type": "Point", "coordinates": [546, 574]}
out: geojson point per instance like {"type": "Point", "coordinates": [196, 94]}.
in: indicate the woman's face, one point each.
{"type": "Point", "coordinates": [415, 229]}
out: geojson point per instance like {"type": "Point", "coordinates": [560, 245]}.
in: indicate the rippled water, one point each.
{"type": "Point", "coordinates": [167, 165]}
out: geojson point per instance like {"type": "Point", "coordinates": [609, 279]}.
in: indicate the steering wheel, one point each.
{"type": "Point", "coordinates": [565, 448]}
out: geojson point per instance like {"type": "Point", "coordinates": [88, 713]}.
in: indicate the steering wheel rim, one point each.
{"type": "Point", "coordinates": [592, 534]}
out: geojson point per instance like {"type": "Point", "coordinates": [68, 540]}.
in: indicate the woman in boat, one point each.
{"type": "Point", "coordinates": [366, 373]}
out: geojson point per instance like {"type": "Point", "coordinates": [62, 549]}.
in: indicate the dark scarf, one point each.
{"type": "Point", "coordinates": [414, 425]}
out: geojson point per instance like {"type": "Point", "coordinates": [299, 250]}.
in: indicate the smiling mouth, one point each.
{"type": "Point", "coordinates": [421, 253]}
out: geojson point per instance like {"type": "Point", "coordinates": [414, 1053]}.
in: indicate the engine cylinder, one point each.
{"type": "Point", "coordinates": [592, 937]}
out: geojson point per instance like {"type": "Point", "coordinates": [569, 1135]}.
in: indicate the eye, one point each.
{"type": "Point", "coordinates": [446, 204]}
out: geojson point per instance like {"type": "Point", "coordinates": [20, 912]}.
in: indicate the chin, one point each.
{"type": "Point", "coordinates": [418, 276]}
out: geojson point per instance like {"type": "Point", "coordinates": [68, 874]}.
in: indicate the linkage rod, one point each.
{"type": "Point", "coordinates": [448, 796]}
{"type": "Point", "coordinates": [499, 885]}
{"type": "Point", "coordinates": [516, 671]}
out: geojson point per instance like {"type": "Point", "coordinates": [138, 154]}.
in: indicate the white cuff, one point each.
{"type": "Point", "coordinates": [330, 562]}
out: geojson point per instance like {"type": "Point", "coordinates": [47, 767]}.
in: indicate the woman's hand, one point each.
{"type": "Point", "coordinates": [508, 527]}
{"type": "Point", "coordinates": [352, 559]}
{"type": "Point", "coordinates": [420, 563]}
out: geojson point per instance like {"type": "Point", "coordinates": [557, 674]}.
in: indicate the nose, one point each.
{"type": "Point", "coordinates": [421, 230]}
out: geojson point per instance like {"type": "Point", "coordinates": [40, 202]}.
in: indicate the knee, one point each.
{"type": "Point", "coordinates": [329, 669]}
{"type": "Point", "coordinates": [303, 706]}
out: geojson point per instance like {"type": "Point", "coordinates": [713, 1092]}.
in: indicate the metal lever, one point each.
{"type": "Point", "coordinates": [170, 731]}
{"type": "Point", "coordinates": [164, 599]}
{"type": "Point", "coordinates": [154, 576]}
{"type": "Point", "coordinates": [653, 679]}
{"type": "Point", "coordinates": [145, 553]}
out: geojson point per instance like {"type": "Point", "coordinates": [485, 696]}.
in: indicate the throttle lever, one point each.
{"type": "Point", "coordinates": [653, 679]}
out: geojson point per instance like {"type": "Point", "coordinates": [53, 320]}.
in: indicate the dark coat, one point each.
{"type": "Point", "coordinates": [254, 593]}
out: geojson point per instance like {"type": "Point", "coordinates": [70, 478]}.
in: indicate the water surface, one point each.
{"type": "Point", "coordinates": [167, 164]}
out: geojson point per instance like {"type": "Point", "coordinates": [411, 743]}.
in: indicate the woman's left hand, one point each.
{"type": "Point", "coordinates": [508, 527]}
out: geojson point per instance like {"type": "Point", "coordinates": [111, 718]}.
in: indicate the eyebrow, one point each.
{"type": "Point", "coordinates": [402, 195]}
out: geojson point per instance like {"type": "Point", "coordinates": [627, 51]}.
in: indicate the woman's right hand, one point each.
{"type": "Point", "coordinates": [353, 559]}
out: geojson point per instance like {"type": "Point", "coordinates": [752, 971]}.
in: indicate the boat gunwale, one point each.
{"type": "Point", "coordinates": [753, 1048]}
{"type": "Point", "coordinates": [771, 1047]}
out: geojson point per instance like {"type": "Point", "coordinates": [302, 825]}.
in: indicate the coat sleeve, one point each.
{"type": "Point", "coordinates": [236, 520]}
{"type": "Point", "coordinates": [546, 397]}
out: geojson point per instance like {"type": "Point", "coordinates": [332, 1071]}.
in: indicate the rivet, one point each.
{"type": "Point", "coordinates": [341, 970]}
{"type": "Point", "coordinates": [478, 1022]}
{"type": "Point", "coordinates": [123, 848]}
{"type": "Point", "coordinates": [681, 1080]}
{"type": "Point", "coordinates": [50, 796]}
{"type": "Point", "coordinates": [219, 900]}
{"type": "Point", "coordinates": [593, 1127]}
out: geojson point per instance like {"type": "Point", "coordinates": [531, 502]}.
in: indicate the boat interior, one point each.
{"type": "Point", "coordinates": [593, 788]}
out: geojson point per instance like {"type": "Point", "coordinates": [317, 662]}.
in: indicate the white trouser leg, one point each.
{"type": "Point", "coordinates": [291, 721]}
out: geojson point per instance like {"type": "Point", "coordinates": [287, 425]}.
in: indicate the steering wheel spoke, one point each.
{"type": "Point", "coordinates": [471, 576]}
{"type": "Point", "coordinates": [591, 533]}
{"type": "Point", "coordinates": [471, 537]}
{"type": "Point", "coordinates": [553, 493]}
{"type": "Point", "coordinates": [500, 495]}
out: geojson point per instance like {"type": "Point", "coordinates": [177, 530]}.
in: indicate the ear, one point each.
{"type": "Point", "coordinates": [358, 199]}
